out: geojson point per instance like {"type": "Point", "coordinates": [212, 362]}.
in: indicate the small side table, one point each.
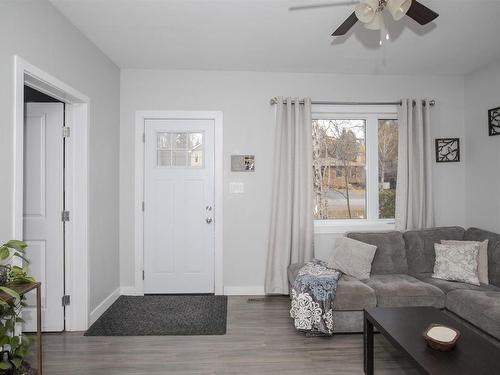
{"type": "Point", "coordinates": [22, 289]}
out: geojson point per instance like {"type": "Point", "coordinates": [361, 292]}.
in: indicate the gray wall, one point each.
{"type": "Point", "coordinates": [249, 128]}
{"type": "Point", "coordinates": [36, 31]}
{"type": "Point", "coordinates": [482, 92]}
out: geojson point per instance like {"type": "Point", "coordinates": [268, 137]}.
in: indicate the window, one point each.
{"type": "Point", "coordinates": [355, 158]}
{"type": "Point", "coordinates": [180, 150]}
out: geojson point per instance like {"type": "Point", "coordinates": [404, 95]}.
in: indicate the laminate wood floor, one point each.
{"type": "Point", "coordinates": [260, 339]}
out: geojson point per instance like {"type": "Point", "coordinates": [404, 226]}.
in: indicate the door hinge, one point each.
{"type": "Point", "coordinates": [142, 205]}
{"type": "Point", "coordinates": [143, 274]}
{"type": "Point", "coordinates": [65, 216]}
{"type": "Point", "coordinates": [66, 131]}
{"type": "Point", "coordinates": [66, 300]}
{"type": "Point", "coordinates": [143, 137]}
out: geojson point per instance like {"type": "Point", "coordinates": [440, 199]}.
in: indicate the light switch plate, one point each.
{"type": "Point", "coordinates": [236, 187]}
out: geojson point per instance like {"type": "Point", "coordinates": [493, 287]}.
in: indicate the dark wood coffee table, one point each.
{"type": "Point", "coordinates": [403, 327]}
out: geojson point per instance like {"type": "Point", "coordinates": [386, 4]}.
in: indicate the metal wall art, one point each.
{"type": "Point", "coordinates": [447, 150]}
{"type": "Point", "coordinates": [494, 121]}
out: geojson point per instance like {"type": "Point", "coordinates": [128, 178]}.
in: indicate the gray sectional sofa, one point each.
{"type": "Point", "coordinates": [402, 276]}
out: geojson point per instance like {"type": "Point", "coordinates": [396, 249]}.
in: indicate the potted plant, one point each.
{"type": "Point", "coordinates": [14, 345]}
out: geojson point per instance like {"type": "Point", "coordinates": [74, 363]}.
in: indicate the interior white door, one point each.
{"type": "Point", "coordinates": [43, 205]}
{"type": "Point", "coordinates": [178, 214]}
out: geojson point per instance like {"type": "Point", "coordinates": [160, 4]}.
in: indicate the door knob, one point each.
{"type": "Point", "coordinates": [208, 220]}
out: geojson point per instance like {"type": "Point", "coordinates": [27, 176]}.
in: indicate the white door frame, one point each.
{"type": "Point", "coordinates": [140, 118]}
{"type": "Point", "coordinates": [76, 245]}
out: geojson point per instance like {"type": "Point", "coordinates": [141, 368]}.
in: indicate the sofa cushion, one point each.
{"type": "Point", "coordinates": [420, 246]}
{"type": "Point", "coordinates": [353, 294]}
{"type": "Point", "coordinates": [475, 234]}
{"type": "Point", "coordinates": [390, 257]}
{"type": "Point", "coordinates": [480, 308]}
{"type": "Point", "coordinates": [404, 290]}
{"type": "Point", "coordinates": [448, 286]}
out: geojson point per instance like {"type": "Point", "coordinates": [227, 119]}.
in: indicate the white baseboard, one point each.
{"type": "Point", "coordinates": [244, 290]}
{"type": "Point", "coordinates": [257, 290]}
{"type": "Point", "coordinates": [103, 306]}
{"type": "Point", "coordinates": [129, 291]}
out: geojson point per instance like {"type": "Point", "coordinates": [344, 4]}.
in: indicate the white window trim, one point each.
{"type": "Point", "coordinates": [371, 114]}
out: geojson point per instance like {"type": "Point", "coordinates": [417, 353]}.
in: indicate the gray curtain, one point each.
{"type": "Point", "coordinates": [291, 231]}
{"type": "Point", "coordinates": [414, 201]}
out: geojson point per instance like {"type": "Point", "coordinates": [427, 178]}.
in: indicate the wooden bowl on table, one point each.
{"type": "Point", "coordinates": [440, 337]}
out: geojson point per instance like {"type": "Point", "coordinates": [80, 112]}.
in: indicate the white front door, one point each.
{"type": "Point", "coordinates": [43, 205]}
{"type": "Point", "coordinates": [178, 211]}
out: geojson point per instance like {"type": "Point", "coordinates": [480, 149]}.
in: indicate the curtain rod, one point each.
{"type": "Point", "coordinates": [275, 100]}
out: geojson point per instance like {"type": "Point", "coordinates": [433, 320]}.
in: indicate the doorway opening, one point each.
{"type": "Point", "coordinates": [50, 192]}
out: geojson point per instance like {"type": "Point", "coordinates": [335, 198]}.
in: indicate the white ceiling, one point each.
{"type": "Point", "coordinates": [264, 35]}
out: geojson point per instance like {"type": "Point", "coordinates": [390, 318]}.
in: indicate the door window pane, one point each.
{"type": "Point", "coordinates": [339, 157]}
{"type": "Point", "coordinates": [164, 141]}
{"type": "Point", "coordinates": [164, 158]}
{"type": "Point", "coordinates": [195, 141]}
{"type": "Point", "coordinates": [179, 158]}
{"type": "Point", "coordinates": [179, 141]}
{"type": "Point", "coordinates": [196, 159]}
{"type": "Point", "coordinates": [387, 167]}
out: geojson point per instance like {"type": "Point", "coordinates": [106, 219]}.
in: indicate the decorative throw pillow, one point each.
{"type": "Point", "coordinates": [483, 257]}
{"type": "Point", "coordinates": [457, 263]}
{"type": "Point", "coordinates": [354, 258]}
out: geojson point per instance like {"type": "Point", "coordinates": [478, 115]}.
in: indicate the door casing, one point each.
{"type": "Point", "coordinates": [140, 120]}
{"type": "Point", "coordinates": [76, 182]}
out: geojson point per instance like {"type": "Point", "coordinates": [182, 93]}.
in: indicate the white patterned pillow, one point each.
{"type": "Point", "coordinates": [457, 263]}
{"type": "Point", "coordinates": [482, 268]}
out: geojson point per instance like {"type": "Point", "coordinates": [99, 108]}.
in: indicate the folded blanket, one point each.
{"type": "Point", "coordinates": [313, 295]}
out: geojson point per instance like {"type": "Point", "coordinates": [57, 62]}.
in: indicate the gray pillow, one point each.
{"type": "Point", "coordinates": [457, 263]}
{"type": "Point", "coordinates": [354, 258]}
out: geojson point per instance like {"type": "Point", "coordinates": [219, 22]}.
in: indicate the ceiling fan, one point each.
{"type": "Point", "coordinates": [370, 13]}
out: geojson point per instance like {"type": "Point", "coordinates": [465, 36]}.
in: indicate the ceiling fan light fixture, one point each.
{"type": "Point", "coordinates": [367, 10]}
{"type": "Point", "coordinates": [377, 23]}
{"type": "Point", "coordinates": [398, 8]}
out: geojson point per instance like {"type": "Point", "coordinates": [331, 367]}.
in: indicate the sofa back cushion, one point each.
{"type": "Point", "coordinates": [475, 234]}
{"type": "Point", "coordinates": [420, 246]}
{"type": "Point", "coordinates": [390, 257]}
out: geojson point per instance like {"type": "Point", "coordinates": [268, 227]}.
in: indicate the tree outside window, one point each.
{"type": "Point", "coordinates": [387, 167]}
{"type": "Point", "coordinates": [339, 169]}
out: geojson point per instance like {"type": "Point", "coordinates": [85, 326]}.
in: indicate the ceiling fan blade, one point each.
{"type": "Point", "coordinates": [346, 26]}
{"type": "Point", "coordinates": [421, 13]}
{"type": "Point", "coordinates": [323, 5]}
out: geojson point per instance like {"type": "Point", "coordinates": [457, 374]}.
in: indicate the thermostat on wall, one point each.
{"type": "Point", "coordinates": [242, 163]}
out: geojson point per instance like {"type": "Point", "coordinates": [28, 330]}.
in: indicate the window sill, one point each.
{"type": "Point", "coordinates": [344, 226]}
